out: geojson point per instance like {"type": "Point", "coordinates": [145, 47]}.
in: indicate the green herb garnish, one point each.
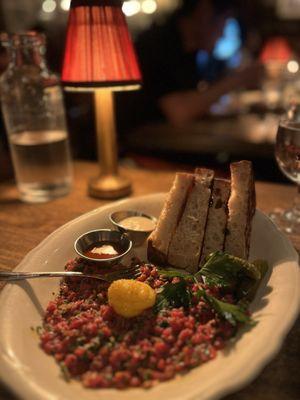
{"type": "Point", "coordinates": [224, 270]}
{"type": "Point", "coordinates": [64, 371]}
{"type": "Point", "coordinates": [173, 295]}
{"type": "Point", "coordinates": [220, 269]}
{"type": "Point", "coordinates": [247, 288]}
{"type": "Point", "coordinates": [172, 273]}
{"type": "Point", "coordinates": [38, 329]}
{"type": "Point", "coordinates": [233, 313]}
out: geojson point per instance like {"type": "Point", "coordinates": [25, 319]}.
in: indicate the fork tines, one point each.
{"type": "Point", "coordinates": [132, 271]}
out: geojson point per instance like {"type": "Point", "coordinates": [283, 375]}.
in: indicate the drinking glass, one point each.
{"type": "Point", "coordinates": [33, 110]}
{"type": "Point", "coordinates": [287, 152]}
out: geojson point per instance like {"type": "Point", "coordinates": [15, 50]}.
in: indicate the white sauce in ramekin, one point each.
{"type": "Point", "coordinates": [138, 223]}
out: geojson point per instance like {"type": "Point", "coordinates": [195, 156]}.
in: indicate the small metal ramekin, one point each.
{"type": "Point", "coordinates": [85, 241]}
{"type": "Point", "coordinates": [137, 237]}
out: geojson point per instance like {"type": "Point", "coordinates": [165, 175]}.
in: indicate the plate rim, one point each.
{"type": "Point", "coordinates": [234, 384]}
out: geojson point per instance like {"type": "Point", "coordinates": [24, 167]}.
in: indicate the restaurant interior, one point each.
{"type": "Point", "coordinates": [239, 123]}
{"type": "Point", "coordinates": [107, 99]}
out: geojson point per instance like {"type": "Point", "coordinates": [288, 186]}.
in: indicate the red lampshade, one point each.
{"type": "Point", "coordinates": [99, 51]}
{"type": "Point", "coordinates": [276, 49]}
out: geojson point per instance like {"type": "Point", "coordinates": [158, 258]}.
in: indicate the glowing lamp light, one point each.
{"type": "Point", "coordinates": [100, 58]}
{"type": "Point", "coordinates": [276, 49]}
{"type": "Point", "coordinates": [65, 5]}
{"type": "Point", "coordinates": [99, 52]}
{"type": "Point", "coordinates": [149, 6]}
{"type": "Point", "coordinates": [49, 6]}
{"type": "Point", "coordinates": [131, 7]}
{"type": "Point", "coordinates": [293, 66]}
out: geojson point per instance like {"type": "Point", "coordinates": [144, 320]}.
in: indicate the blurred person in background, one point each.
{"type": "Point", "coordinates": [176, 86]}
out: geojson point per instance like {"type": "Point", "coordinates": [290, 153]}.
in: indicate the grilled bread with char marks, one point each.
{"type": "Point", "coordinates": [159, 240]}
{"type": "Point", "coordinates": [186, 243]}
{"type": "Point", "coordinates": [217, 219]}
{"type": "Point", "coordinates": [202, 215]}
{"type": "Point", "coordinates": [241, 208]}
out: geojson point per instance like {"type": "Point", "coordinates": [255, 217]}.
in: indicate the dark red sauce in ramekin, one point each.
{"type": "Point", "coordinates": [103, 256]}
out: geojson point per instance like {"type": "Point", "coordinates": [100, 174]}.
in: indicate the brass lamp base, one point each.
{"type": "Point", "coordinates": [109, 187]}
{"type": "Point", "coordinates": [109, 184]}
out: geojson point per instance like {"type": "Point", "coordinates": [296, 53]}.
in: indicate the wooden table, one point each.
{"type": "Point", "coordinates": [247, 135]}
{"type": "Point", "coordinates": [23, 226]}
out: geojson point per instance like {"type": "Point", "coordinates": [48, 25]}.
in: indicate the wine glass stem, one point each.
{"type": "Point", "coordinates": [296, 204]}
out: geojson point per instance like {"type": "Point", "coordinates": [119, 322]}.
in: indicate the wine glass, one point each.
{"type": "Point", "coordinates": [287, 153]}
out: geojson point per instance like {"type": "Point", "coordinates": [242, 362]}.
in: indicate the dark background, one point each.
{"type": "Point", "coordinates": [259, 20]}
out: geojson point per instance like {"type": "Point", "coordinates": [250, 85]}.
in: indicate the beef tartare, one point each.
{"type": "Point", "coordinates": [94, 344]}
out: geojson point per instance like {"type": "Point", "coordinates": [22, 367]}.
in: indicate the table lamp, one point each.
{"type": "Point", "coordinates": [99, 57]}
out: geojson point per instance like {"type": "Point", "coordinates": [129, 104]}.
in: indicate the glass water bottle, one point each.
{"type": "Point", "coordinates": [34, 116]}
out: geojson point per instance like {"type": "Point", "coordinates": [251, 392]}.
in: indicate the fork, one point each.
{"type": "Point", "coordinates": [131, 272]}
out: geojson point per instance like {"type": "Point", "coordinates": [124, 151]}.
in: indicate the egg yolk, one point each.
{"type": "Point", "coordinates": [130, 298]}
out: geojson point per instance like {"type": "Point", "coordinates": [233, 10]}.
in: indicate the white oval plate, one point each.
{"type": "Point", "coordinates": [33, 375]}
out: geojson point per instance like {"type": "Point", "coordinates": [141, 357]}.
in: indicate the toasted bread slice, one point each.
{"type": "Point", "coordinates": [217, 219]}
{"type": "Point", "coordinates": [186, 243]}
{"type": "Point", "coordinates": [241, 208]}
{"type": "Point", "coordinates": [159, 240]}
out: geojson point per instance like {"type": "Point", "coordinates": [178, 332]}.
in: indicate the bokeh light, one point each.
{"type": "Point", "coordinates": [149, 6]}
{"type": "Point", "coordinates": [49, 6]}
{"type": "Point", "coordinates": [230, 42]}
{"type": "Point", "coordinates": [293, 66]}
{"type": "Point", "coordinates": [131, 7]}
{"type": "Point", "coordinates": [65, 4]}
